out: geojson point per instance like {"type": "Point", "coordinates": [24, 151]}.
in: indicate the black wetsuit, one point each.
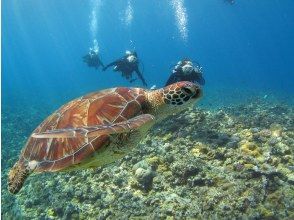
{"type": "Point", "coordinates": [127, 68]}
{"type": "Point", "coordinates": [93, 60]}
{"type": "Point", "coordinates": [178, 75]}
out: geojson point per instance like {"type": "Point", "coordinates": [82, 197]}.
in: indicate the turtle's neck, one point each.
{"type": "Point", "coordinates": [154, 100]}
{"type": "Point", "coordinates": [156, 104]}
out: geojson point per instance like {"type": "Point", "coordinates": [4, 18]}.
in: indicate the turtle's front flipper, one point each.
{"type": "Point", "coordinates": [93, 131]}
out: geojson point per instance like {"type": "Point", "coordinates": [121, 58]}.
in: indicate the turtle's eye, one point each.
{"type": "Point", "coordinates": [187, 91]}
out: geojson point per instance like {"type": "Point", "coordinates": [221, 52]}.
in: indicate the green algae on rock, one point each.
{"type": "Point", "coordinates": [230, 163]}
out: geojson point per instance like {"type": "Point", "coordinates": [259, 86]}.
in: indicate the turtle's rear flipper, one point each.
{"type": "Point", "coordinates": [126, 126]}
{"type": "Point", "coordinates": [16, 177]}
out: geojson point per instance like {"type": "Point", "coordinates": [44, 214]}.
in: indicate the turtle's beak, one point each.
{"type": "Point", "coordinates": [193, 90]}
{"type": "Point", "coordinates": [198, 92]}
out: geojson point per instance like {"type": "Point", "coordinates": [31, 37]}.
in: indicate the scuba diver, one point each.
{"type": "Point", "coordinates": [92, 59]}
{"type": "Point", "coordinates": [185, 70]}
{"type": "Point", "coordinates": [127, 65]}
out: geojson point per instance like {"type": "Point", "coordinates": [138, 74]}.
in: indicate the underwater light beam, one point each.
{"type": "Point", "coordinates": [181, 17]}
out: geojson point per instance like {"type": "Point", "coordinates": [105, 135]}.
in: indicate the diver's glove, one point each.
{"type": "Point", "coordinates": [153, 87]}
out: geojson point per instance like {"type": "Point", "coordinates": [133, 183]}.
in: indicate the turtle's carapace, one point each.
{"type": "Point", "coordinates": [90, 131]}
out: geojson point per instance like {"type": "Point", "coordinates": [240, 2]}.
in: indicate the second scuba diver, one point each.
{"type": "Point", "coordinates": [185, 70]}
{"type": "Point", "coordinates": [92, 59]}
{"type": "Point", "coordinates": [127, 65]}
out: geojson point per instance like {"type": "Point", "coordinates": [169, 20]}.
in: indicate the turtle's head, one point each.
{"type": "Point", "coordinates": [175, 97]}
{"type": "Point", "coordinates": [181, 93]}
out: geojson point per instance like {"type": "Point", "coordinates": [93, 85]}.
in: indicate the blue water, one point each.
{"type": "Point", "coordinates": [245, 49]}
{"type": "Point", "coordinates": [247, 46]}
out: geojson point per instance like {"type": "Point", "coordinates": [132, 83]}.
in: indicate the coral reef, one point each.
{"type": "Point", "coordinates": [235, 162]}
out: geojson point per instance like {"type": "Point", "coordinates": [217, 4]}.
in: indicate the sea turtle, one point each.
{"type": "Point", "coordinates": [97, 129]}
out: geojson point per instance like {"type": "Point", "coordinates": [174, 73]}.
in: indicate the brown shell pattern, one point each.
{"type": "Point", "coordinates": [100, 108]}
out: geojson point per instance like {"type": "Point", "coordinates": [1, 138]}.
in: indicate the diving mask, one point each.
{"type": "Point", "coordinates": [187, 69]}
{"type": "Point", "coordinates": [132, 59]}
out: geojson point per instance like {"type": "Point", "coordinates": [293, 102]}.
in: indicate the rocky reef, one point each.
{"type": "Point", "coordinates": [234, 162]}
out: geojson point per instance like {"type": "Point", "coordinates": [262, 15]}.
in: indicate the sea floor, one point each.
{"type": "Point", "coordinates": [233, 162]}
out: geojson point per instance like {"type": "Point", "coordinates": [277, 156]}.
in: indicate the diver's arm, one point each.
{"type": "Point", "coordinates": [172, 79]}
{"type": "Point", "coordinates": [109, 65]}
{"type": "Point", "coordinates": [140, 76]}
{"type": "Point", "coordinates": [101, 63]}
{"type": "Point", "coordinates": [86, 58]}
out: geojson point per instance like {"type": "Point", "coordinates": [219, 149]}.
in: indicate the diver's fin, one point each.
{"type": "Point", "coordinates": [93, 131]}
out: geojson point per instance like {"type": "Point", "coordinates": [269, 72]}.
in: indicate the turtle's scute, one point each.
{"type": "Point", "coordinates": [100, 108]}
{"type": "Point", "coordinates": [132, 110]}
